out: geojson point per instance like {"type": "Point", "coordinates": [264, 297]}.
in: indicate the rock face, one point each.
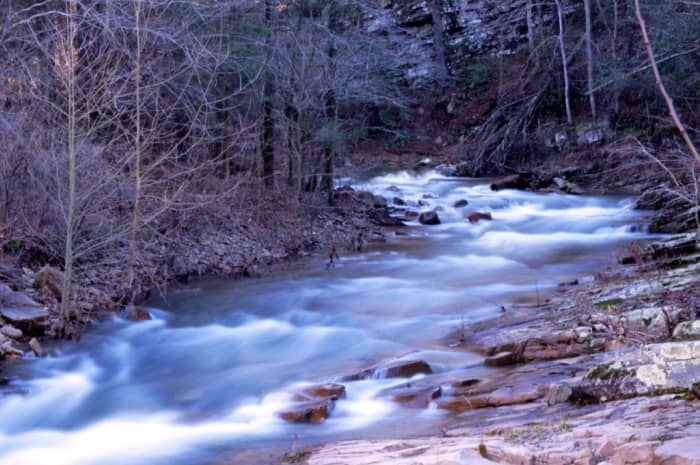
{"type": "Point", "coordinates": [469, 29]}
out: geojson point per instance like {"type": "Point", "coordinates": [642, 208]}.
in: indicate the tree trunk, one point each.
{"type": "Point", "coordinates": [135, 219]}
{"type": "Point", "coordinates": [439, 44]}
{"type": "Point", "coordinates": [65, 309]}
{"type": "Point", "coordinates": [530, 26]}
{"type": "Point", "coordinates": [589, 55]}
{"type": "Point", "coordinates": [331, 111]}
{"type": "Point", "coordinates": [565, 66]}
{"type": "Point", "coordinates": [268, 123]}
{"type": "Point", "coordinates": [660, 84]}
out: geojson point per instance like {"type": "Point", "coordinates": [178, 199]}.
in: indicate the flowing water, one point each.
{"type": "Point", "coordinates": [205, 379]}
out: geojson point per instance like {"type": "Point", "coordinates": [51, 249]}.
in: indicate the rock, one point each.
{"type": "Point", "coordinates": [330, 391]}
{"type": "Point", "coordinates": [8, 350]}
{"type": "Point", "coordinates": [684, 451]}
{"type": "Point", "coordinates": [687, 330]}
{"type": "Point", "coordinates": [138, 314]}
{"type": "Point", "coordinates": [382, 217]}
{"type": "Point", "coordinates": [399, 201]}
{"type": "Point", "coordinates": [503, 359]}
{"type": "Point", "coordinates": [11, 332]}
{"type": "Point", "coordinates": [515, 181]}
{"type": "Point", "coordinates": [399, 369]}
{"type": "Point", "coordinates": [177, 266]}
{"type": "Point", "coordinates": [461, 203]}
{"type": "Point", "coordinates": [560, 344]}
{"type": "Point", "coordinates": [511, 395]}
{"type": "Point", "coordinates": [506, 395]}
{"type": "Point", "coordinates": [404, 369]}
{"type": "Point", "coordinates": [314, 404]}
{"type": "Point", "coordinates": [558, 393]}
{"type": "Point", "coordinates": [22, 312]}
{"type": "Point", "coordinates": [475, 217]}
{"type": "Point", "coordinates": [309, 412]}
{"type": "Point", "coordinates": [424, 163]}
{"type": "Point", "coordinates": [36, 347]}
{"type": "Point", "coordinates": [654, 369]}
{"type": "Point", "coordinates": [51, 279]}
{"type": "Point", "coordinates": [567, 186]}
{"type": "Point", "coordinates": [380, 202]}
{"type": "Point", "coordinates": [429, 218]}
{"type": "Point", "coordinates": [652, 321]}
{"type": "Point", "coordinates": [446, 169]}
{"type": "Point", "coordinates": [414, 396]}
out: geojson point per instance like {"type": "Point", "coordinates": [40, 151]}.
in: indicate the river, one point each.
{"type": "Point", "coordinates": [203, 382]}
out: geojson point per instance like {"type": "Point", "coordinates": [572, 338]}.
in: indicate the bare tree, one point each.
{"type": "Point", "coordinates": [589, 55]}
{"type": "Point", "coordinates": [564, 62]}
{"type": "Point", "coordinates": [660, 84]}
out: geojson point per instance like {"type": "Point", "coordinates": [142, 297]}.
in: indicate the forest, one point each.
{"type": "Point", "coordinates": [376, 210]}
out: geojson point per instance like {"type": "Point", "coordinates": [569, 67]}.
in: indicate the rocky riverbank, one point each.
{"type": "Point", "coordinates": [607, 370]}
{"type": "Point", "coordinates": [233, 246]}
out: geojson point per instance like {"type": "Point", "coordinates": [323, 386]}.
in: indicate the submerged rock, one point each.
{"type": "Point", "coordinates": [475, 217]}
{"type": "Point", "coordinates": [461, 203]}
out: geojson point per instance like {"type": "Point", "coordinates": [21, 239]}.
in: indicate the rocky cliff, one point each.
{"type": "Point", "coordinates": [469, 28]}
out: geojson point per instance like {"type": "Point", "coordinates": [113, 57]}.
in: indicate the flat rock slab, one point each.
{"type": "Point", "coordinates": [685, 451]}
{"type": "Point", "coordinates": [30, 320]}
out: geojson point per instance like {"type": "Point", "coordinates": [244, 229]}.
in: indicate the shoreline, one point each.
{"type": "Point", "coordinates": [599, 373]}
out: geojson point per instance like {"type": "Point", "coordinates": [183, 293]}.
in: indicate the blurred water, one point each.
{"type": "Point", "coordinates": [212, 370]}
